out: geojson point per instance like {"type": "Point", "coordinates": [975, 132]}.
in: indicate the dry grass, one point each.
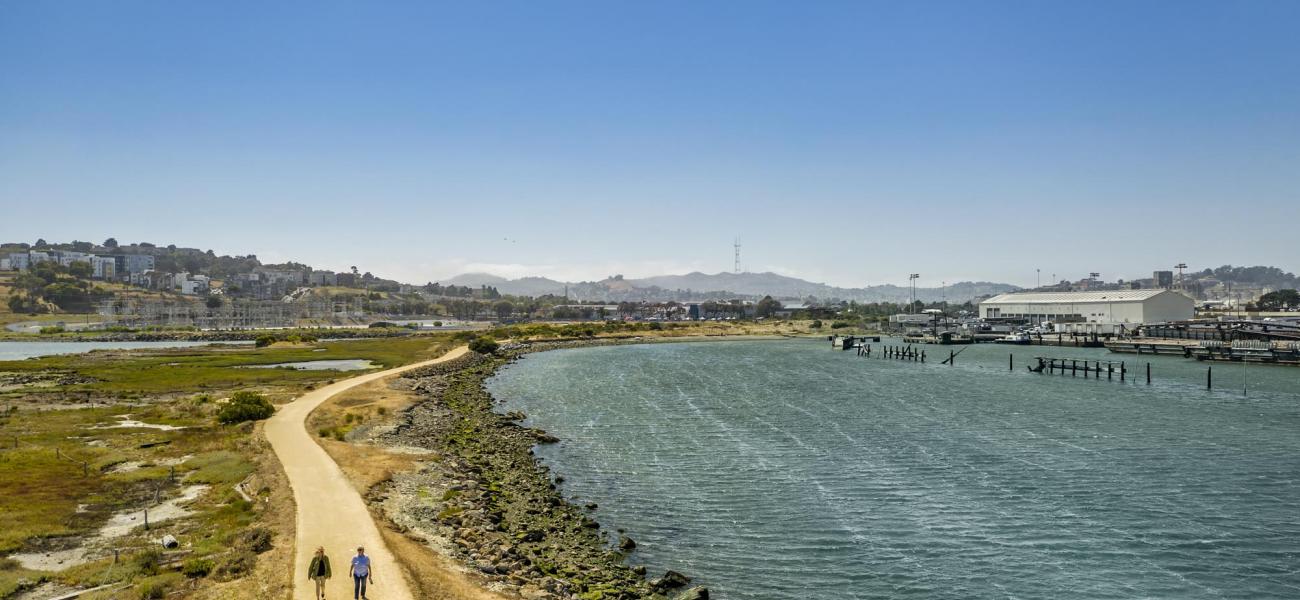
{"type": "Point", "coordinates": [430, 575]}
{"type": "Point", "coordinates": [271, 578]}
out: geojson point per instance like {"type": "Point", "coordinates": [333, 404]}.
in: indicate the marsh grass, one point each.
{"type": "Point", "coordinates": [135, 374]}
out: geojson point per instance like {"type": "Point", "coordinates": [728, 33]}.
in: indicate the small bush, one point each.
{"type": "Point", "coordinates": [263, 340]}
{"type": "Point", "coordinates": [146, 562]}
{"type": "Point", "coordinates": [52, 330]}
{"type": "Point", "coordinates": [236, 564]}
{"type": "Point", "coordinates": [383, 410]}
{"type": "Point", "coordinates": [8, 564]}
{"type": "Point", "coordinates": [483, 345]}
{"type": "Point", "coordinates": [245, 406]}
{"type": "Point", "coordinates": [816, 324]}
{"type": "Point", "coordinates": [196, 568]}
{"type": "Point", "coordinates": [256, 540]}
{"type": "Point", "coordinates": [840, 325]}
{"type": "Point", "coordinates": [155, 588]}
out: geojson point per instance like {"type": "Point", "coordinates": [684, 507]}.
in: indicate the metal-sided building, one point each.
{"type": "Point", "coordinates": [1091, 312]}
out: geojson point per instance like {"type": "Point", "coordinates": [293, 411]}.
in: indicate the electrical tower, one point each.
{"type": "Point", "coordinates": [736, 245]}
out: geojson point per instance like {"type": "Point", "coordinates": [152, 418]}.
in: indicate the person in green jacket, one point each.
{"type": "Point", "coordinates": [319, 571]}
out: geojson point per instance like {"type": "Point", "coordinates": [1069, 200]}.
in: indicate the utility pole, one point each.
{"type": "Point", "coordinates": [913, 277]}
{"type": "Point", "coordinates": [1038, 277]}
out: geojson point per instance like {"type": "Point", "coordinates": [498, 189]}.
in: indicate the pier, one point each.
{"type": "Point", "coordinates": [1075, 366]}
{"type": "Point", "coordinates": [1252, 351]}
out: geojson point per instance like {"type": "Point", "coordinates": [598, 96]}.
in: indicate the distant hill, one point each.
{"type": "Point", "coordinates": [703, 286]}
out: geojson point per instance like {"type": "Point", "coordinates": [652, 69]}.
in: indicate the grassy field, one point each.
{"type": "Point", "coordinates": [135, 374]}
{"type": "Point", "coordinates": [64, 473]}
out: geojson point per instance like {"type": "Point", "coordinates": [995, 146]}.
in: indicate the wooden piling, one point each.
{"type": "Point", "coordinates": [1209, 378]}
{"type": "Point", "coordinates": [1011, 362]}
{"type": "Point", "coordinates": [1122, 370]}
{"type": "Point", "coordinates": [1148, 373]}
{"type": "Point", "coordinates": [1074, 368]}
{"type": "Point", "coordinates": [952, 358]}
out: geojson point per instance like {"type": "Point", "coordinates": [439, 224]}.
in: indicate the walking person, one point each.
{"type": "Point", "coordinates": [319, 571]}
{"type": "Point", "coordinates": [361, 574]}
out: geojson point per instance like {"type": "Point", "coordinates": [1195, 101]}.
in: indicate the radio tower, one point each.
{"type": "Point", "coordinates": [736, 245]}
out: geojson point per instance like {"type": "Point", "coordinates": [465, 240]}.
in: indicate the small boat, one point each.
{"type": "Point", "coordinates": [1018, 338]}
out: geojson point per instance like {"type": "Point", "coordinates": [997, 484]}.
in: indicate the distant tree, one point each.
{"type": "Point", "coordinates": [213, 302]}
{"type": "Point", "coordinates": [503, 308]}
{"type": "Point", "coordinates": [110, 243]}
{"type": "Point", "coordinates": [81, 269]}
{"type": "Point", "coordinates": [66, 295]}
{"type": "Point", "coordinates": [17, 302]}
{"type": "Point", "coordinates": [41, 243]}
{"type": "Point", "coordinates": [48, 271]}
{"type": "Point", "coordinates": [1279, 300]}
{"type": "Point", "coordinates": [766, 307]}
{"type": "Point", "coordinates": [82, 246]}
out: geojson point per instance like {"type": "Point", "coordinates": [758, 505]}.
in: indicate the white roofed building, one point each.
{"type": "Point", "coordinates": [1108, 311]}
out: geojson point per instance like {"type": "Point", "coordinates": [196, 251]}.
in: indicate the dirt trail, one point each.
{"type": "Point", "coordinates": [331, 513]}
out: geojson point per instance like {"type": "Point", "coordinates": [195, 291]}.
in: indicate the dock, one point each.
{"type": "Point", "coordinates": [1251, 351]}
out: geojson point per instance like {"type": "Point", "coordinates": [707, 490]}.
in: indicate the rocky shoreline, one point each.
{"type": "Point", "coordinates": [485, 500]}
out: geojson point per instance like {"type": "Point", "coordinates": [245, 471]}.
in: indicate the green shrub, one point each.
{"type": "Point", "coordinates": [840, 325]}
{"type": "Point", "coordinates": [816, 324]}
{"type": "Point", "coordinates": [264, 340]}
{"type": "Point", "coordinates": [196, 568]}
{"type": "Point", "coordinates": [147, 561]}
{"type": "Point", "coordinates": [155, 588]}
{"type": "Point", "coordinates": [483, 345]}
{"type": "Point", "coordinates": [245, 406]}
{"type": "Point", "coordinates": [52, 330]}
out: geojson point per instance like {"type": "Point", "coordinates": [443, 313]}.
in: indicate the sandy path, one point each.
{"type": "Point", "coordinates": [331, 512]}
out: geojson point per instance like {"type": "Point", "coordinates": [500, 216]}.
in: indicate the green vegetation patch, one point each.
{"type": "Point", "coordinates": [200, 369]}
{"type": "Point", "coordinates": [220, 467]}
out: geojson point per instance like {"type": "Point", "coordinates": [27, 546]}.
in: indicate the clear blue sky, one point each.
{"type": "Point", "coordinates": [851, 142]}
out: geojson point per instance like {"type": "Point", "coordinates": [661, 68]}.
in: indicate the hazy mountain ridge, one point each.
{"type": "Point", "coordinates": [700, 286]}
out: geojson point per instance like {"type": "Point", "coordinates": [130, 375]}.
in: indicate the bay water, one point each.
{"type": "Point", "coordinates": [781, 470]}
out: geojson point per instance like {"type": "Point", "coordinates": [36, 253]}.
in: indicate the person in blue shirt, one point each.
{"type": "Point", "coordinates": [361, 574]}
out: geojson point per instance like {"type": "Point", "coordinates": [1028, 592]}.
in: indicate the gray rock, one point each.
{"type": "Point", "coordinates": [695, 593]}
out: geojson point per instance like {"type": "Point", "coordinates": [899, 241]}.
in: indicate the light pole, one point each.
{"type": "Point", "coordinates": [1180, 267]}
{"type": "Point", "coordinates": [913, 277]}
{"type": "Point", "coordinates": [1038, 277]}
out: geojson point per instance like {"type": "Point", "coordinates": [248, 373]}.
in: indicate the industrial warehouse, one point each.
{"type": "Point", "coordinates": [1100, 312]}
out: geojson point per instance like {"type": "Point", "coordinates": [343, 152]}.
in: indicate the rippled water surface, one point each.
{"type": "Point", "coordinates": [784, 470]}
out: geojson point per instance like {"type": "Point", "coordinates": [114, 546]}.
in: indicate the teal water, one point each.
{"type": "Point", "coordinates": [785, 470]}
